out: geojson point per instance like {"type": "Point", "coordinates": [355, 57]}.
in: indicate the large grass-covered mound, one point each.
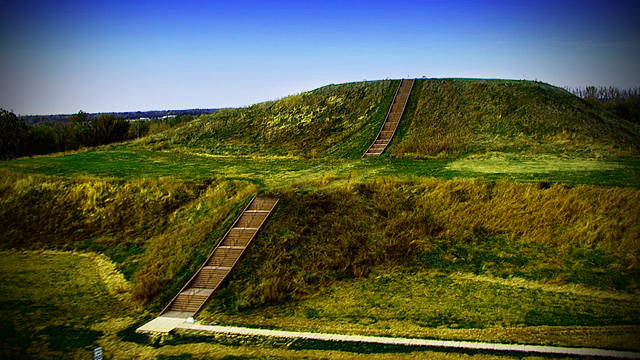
{"type": "Point", "coordinates": [450, 117]}
{"type": "Point", "coordinates": [419, 258]}
{"type": "Point", "coordinates": [337, 119]}
{"type": "Point", "coordinates": [502, 211]}
{"type": "Point", "coordinates": [445, 118]}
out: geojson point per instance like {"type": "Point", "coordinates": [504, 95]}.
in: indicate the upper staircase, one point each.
{"type": "Point", "coordinates": [203, 283]}
{"type": "Point", "coordinates": [392, 119]}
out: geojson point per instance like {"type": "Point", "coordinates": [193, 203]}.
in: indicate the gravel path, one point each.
{"type": "Point", "coordinates": [557, 350]}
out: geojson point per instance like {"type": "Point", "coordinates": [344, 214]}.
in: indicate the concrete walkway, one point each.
{"type": "Point", "coordinates": [162, 324]}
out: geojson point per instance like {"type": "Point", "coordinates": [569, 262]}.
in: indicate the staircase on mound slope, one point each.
{"type": "Point", "coordinates": [199, 288]}
{"type": "Point", "coordinates": [392, 119]}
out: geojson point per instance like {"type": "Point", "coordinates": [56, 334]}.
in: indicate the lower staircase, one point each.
{"type": "Point", "coordinates": [392, 119]}
{"type": "Point", "coordinates": [212, 273]}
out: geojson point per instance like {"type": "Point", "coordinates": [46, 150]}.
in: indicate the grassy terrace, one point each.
{"type": "Point", "coordinates": [278, 171]}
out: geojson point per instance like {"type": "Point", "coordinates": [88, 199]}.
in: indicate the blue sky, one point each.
{"type": "Point", "coordinates": [63, 56]}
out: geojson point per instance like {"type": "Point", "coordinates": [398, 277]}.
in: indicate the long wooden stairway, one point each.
{"type": "Point", "coordinates": [392, 119]}
{"type": "Point", "coordinates": [201, 286]}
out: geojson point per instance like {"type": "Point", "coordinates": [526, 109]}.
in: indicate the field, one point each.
{"type": "Point", "coordinates": [512, 221]}
{"type": "Point", "coordinates": [74, 306]}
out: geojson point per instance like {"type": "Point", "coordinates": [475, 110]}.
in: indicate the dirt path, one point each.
{"type": "Point", "coordinates": [169, 324]}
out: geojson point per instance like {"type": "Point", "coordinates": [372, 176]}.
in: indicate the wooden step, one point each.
{"type": "Point", "coordinates": [263, 204]}
{"type": "Point", "coordinates": [238, 232]}
{"type": "Point", "coordinates": [243, 242]}
{"type": "Point", "coordinates": [224, 256]}
{"type": "Point", "coordinates": [251, 220]}
{"type": "Point", "coordinates": [222, 261]}
{"type": "Point", "coordinates": [190, 300]}
{"type": "Point", "coordinates": [210, 278]}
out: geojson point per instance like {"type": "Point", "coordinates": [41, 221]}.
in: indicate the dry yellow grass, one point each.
{"type": "Point", "coordinates": [501, 164]}
{"type": "Point", "coordinates": [574, 289]}
{"type": "Point", "coordinates": [152, 229]}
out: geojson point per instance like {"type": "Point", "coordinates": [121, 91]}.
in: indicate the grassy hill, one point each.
{"type": "Point", "coordinates": [453, 117]}
{"type": "Point", "coordinates": [337, 119]}
{"type": "Point", "coordinates": [502, 211]}
{"type": "Point", "coordinates": [445, 118]}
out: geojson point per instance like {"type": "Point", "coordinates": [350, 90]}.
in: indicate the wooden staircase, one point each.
{"type": "Point", "coordinates": [212, 273]}
{"type": "Point", "coordinates": [392, 119]}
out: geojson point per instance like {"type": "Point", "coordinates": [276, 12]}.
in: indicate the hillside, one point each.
{"type": "Point", "coordinates": [333, 120]}
{"type": "Point", "coordinates": [387, 256]}
{"type": "Point", "coordinates": [503, 211]}
{"type": "Point", "coordinates": [445, 118]}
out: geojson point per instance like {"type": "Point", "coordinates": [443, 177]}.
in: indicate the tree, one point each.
{"type": "Point", "coordinates": [42, 139]}
{"type": "Point", "coordinates": [68, 136]}
{"type": "Point", "coordinates": [13, 135]}
{"type": "Point", "coordinates": [106, 128]}
{"type": "Point", "coordinates": [81, 118]}
{"type": "Point", "coordinates": [140, 128]}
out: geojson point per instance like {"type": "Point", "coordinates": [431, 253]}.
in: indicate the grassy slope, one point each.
{"type": "Point", "coordinates": [337, 119]}
{"type": "Point", "coordinates": [453, 117]}
{"type": "Point", "coordinates": [156, 231]}
{"type": "Point", "coordinates": [583, 236]}
{"type": "Point", "coordinates": [445, 118]}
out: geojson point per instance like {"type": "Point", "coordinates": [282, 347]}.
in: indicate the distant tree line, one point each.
{"type": "Point", "coordinates": [37, 119]}
{"type": "Point", "coordinates": [623, 102]}
{"type": "Point", "coordinates": [19, 139]}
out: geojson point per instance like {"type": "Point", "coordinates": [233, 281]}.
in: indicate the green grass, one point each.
{"type": "Point", "coordinates": [274, 172]}
{"type": "Point", "coordinates": [47, 309]}
{"type": "Point", "coordinates": [54, 305]}
{"type": "Point", "coordinates": [439, 305]}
